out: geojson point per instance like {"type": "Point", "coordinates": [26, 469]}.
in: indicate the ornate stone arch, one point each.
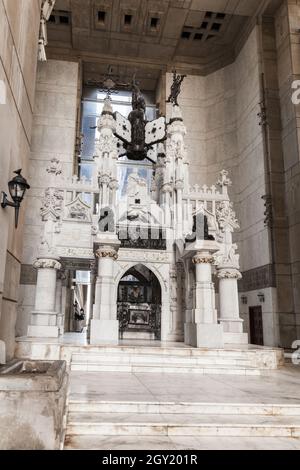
{"type": "Point", "coordinates": [124, 266]}
{"type": "Point", "coordinates": [131, 264]}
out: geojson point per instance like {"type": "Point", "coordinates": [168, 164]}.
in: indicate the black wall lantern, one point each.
{"type": "Point", "coordinates": [17, 188]}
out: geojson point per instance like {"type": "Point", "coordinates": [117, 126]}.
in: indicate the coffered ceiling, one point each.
{"type": "Point", "coordinates": [199, 34]}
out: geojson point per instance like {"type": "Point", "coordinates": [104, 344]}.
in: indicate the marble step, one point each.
{"type": "Point", "coordinates": [204, 369]}
{"type": "Point", "coordinates": [139, 424]}
{"type": "Point", "coordinates": [93, 406]}
{"type": "Point", "coordinates": [186, 351]}
{"type": "Point", "coordinates": [153, 359]}
{"type": "Point", "coordinates": [88, 442]}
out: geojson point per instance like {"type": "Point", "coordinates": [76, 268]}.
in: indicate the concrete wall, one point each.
{"type": "Point", "coordinates": [288, 52]}
{"type": "Point", "coordinates": [220, 113]}
{"type": "Point", "coordinates": [19, 29]}
{"type": "Point", "coordinates": [54, 130]}
{"type": "Point", "coordinates": [224, 131]}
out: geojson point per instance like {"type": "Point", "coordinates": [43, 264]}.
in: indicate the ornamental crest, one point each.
{"type": "Point", "coordinates": [52, 205]}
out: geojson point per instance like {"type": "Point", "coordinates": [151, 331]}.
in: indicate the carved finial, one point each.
{"type": "Point", "coordinates": [226, 216]}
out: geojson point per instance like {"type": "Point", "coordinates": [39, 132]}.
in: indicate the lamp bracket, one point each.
{"type": "Point", "coordinates": [5, 202]}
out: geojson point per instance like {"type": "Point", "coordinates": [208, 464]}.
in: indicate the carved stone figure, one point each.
{"type": "Point", "coordinates": [136, 133]}
{"type": "Point", "coordinates": [175, 88]}
{"type": "Point", "coordinates": [136, 150]}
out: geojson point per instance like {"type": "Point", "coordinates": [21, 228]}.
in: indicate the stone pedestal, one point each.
{"type": "Point", "coordinates": [104, 331]}
{"type": "Point", "coordinates": [44, 316]}
{"type": "Point", "coordinates": [33, 397]}
{"type": "Point", "coordinates": [200, 335]}
{"type": "Point", "coordinates": [229, 306]}
{"type": "Point", "coordinates": [104, 325]}
{"type": "Point", "coordinates": [204, 331]}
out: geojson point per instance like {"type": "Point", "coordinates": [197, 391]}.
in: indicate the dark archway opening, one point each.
{"type": "Point", "coordinates": [139, 305]}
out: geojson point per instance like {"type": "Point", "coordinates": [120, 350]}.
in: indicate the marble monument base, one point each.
{"type": "Point", "coordinates": [201, 335]}
{"type": "Point", "coordinates": [232, 325]}
{"type": "Point", "coordinates": [236, 338]}
{"type": "Point", "coordinates": [233, 331]}
{"type": "Point", "coordinates": [104, 332]}
{"type": "Point", "coordinates": [42, 331]}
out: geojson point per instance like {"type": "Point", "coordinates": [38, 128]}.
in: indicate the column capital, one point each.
{"type": "Point", "coordinates": [203, 259]}
{"type": "Point", "coordinates": [106, 252]}
{"type": "Point", "coordinates": [167, 188]}
{"type": "Point", "coordinates": [104, 179]}
{"type": "Point", "coordinates": [229, 273]}
{"type": "Point", "coordinates": [46, 263]}
{"type": "Point", "coordinates": [179, 185]}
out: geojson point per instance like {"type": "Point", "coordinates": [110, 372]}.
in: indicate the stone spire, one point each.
{"type": "Point", "coordinates": [106, 155]}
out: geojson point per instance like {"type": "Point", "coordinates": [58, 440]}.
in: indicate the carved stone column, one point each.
{"type": "Point", "coordinates": [60, 301]}
{"type": "Point", "coordinates": [229, 306]}
{"type": "Point", "coordinates": [104, 325]}
{"type": "Point", "coordinates": [104, 181]}
{"type": "Point", "coordinates": [204, 330]}
{"type": "Point", "coordinates": [167, 201]}
{"type": "Point", "coordinates": [44, 316]}
{"type": "Point", "coordinates": [179, 208]}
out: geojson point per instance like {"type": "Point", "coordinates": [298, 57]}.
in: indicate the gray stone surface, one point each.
{"type": "Point", "coordinates": [32, 404]}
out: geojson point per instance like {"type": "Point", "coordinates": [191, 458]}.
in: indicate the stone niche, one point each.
{"type": "Point", "coordinates": [33, 405]}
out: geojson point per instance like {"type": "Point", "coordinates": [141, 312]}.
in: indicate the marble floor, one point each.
{"type": "Point", "coordinates": [279, 387]}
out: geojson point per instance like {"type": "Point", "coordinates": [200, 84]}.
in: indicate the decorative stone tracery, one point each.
{"type": "Point", "coordinates": [52, 205]}
{"type": "Point", "coordinates": [199, 259]}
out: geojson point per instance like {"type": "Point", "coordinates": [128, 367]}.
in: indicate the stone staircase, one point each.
{"type": "Point", "coordinates": [96, 423]}
{"type": "Point", "coordinates": [96, 420]}
{"type": "Point", "coordinates": [176, 360]}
